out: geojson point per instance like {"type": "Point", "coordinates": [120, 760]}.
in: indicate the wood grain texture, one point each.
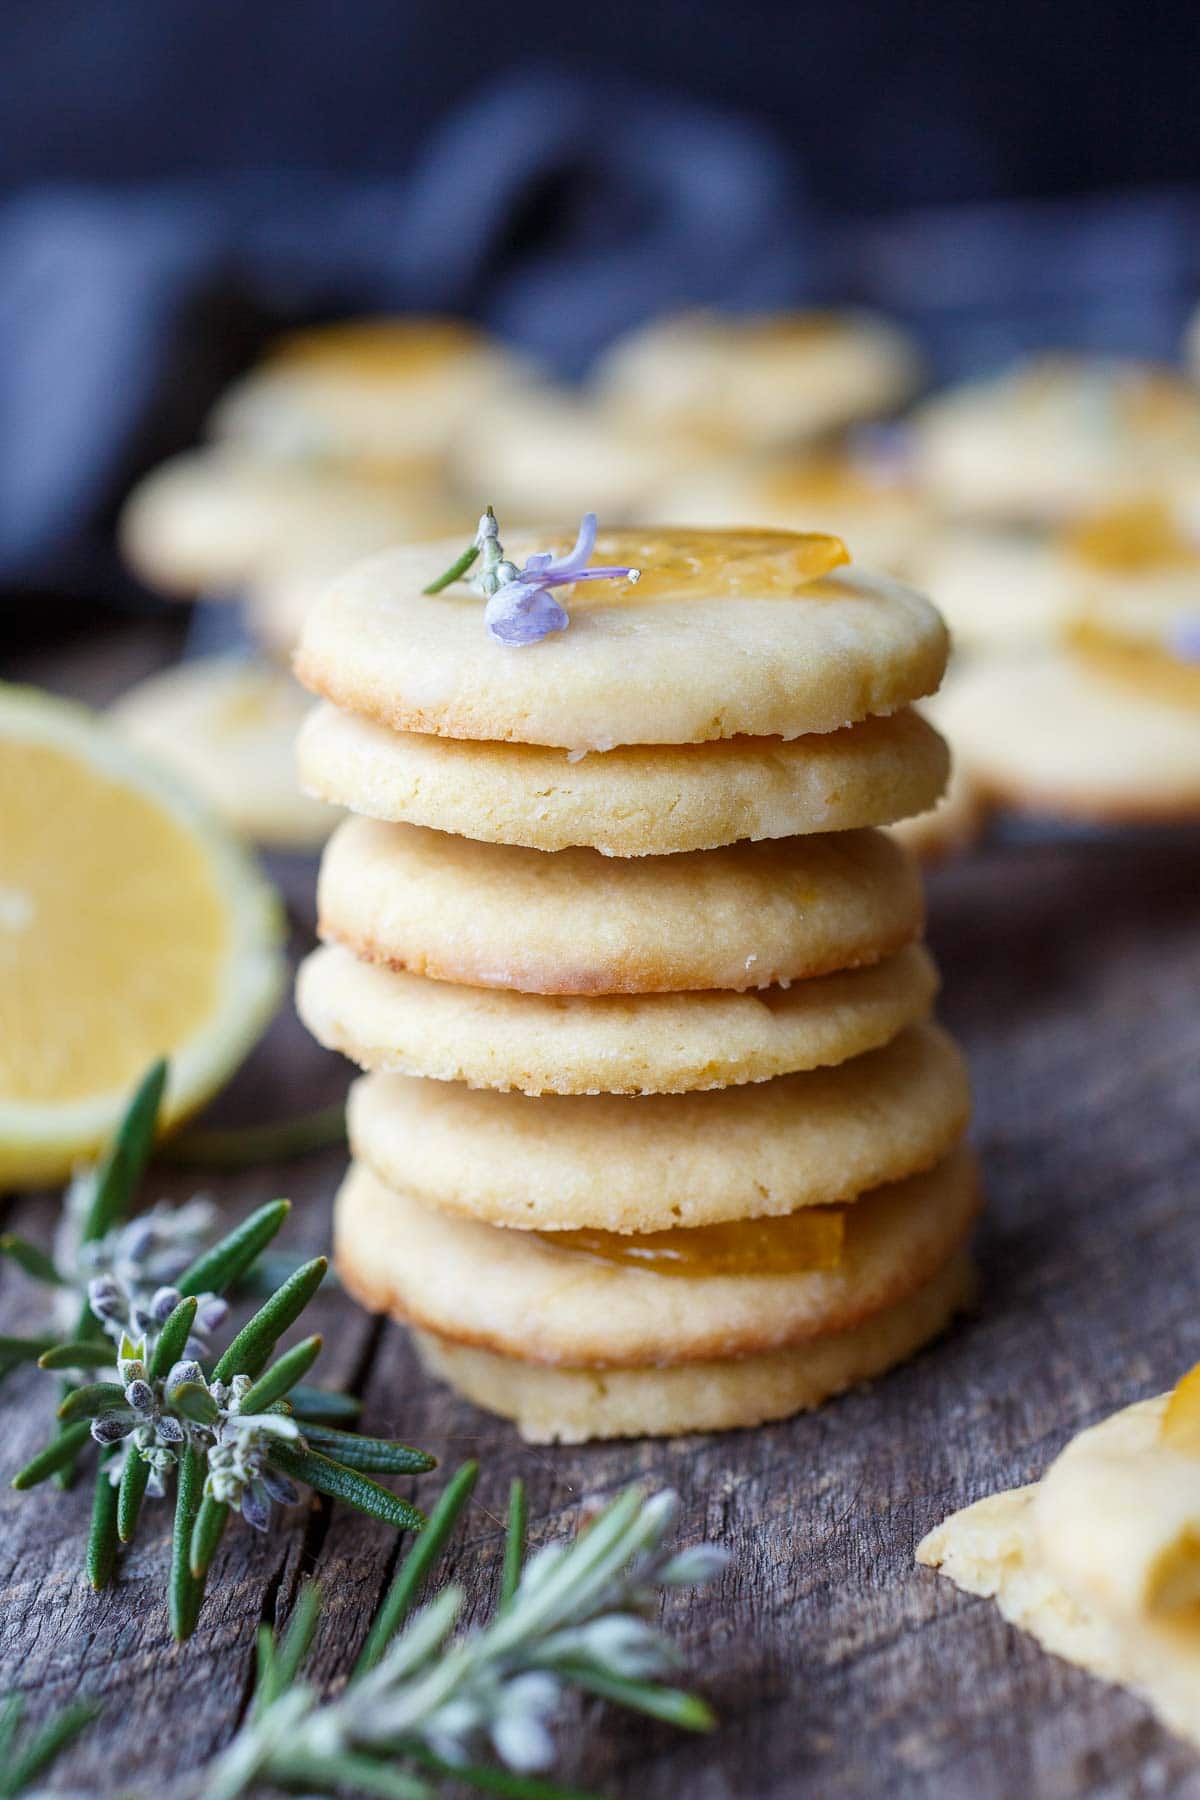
{"type": "Point", "coordinates": [839, 1669]}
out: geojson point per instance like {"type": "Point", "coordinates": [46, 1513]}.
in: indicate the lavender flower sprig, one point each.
{"type": "Point", "coordinates": [423, 1706]}
{"type": "Point", "coordinates": [521, 608]}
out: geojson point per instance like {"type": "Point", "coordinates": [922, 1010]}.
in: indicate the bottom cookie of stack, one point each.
{"type": "Point", "coordinates": [579, 1335]}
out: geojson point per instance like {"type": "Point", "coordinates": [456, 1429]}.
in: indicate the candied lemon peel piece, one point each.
{"type": "Point", "coordinates": [1142, 536]}
{"type": "Point", "coordinates": [705, 565]}
{"type": "Point", "coordinates": [131, 926]}
{"type": "Point", "coordinates": [1180, 1426]}
{"type": "Point", "coordinates": [808, 1241]}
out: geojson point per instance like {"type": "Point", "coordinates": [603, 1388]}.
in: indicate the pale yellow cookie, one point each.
{"type": "Point", "coordinates": [881, 518]}
{"type": "Point", "coordinates": [998, 590]}
{"type": "Point", "coordinates": [227, 726]}
{"type": "Point", "coordinates": [1098, 1560]}
{"type": "Point", "coordinates": [1135, 576]}
{"type": "Point", "coordinates": [781, 378]}
{"type": "Point", "coordinates": [1050, 733]}
{"type": "Point", "coordinates": [571, 1406]}
{"type": "Point", "coordinates": [577, 922]}
{"type": "Point", "coordinates": [551, 454]}
{"type": "Point", "coordinates": [390, 389]}
{"type": "Point", "coordinates": [725, 633]}
{"type": "Point", "coordinates": [1055, 437]}
{"type": "Point", "coordinates": [208, 519]}
{"type": "Point", "coordinates": [521, 1295]}
{"type": "Point", "coordinates": [556, 1163]}
{"type": "Point", "coordinates": [633, 801]}
{"type": "Point", "coordinates": [641, 1044]}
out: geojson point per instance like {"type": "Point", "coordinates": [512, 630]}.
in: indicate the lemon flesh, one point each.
{"type": "Point", "coordinates": [131, 927]}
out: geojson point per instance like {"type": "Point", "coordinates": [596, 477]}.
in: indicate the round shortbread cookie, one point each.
{"type": "Point", "coordinates": [395, 389]}
{"type": "Point", "coordinates": [227, 726]}
{"type": "Point", "coordinates": [629, 802]}
{"type": "Point", "coordinates": [516, 1293]}
{"type": "Point", "coordinates": [650, 1163]}
{"type": "Point", "coordinates": [571, 1406]}
{"type": "Point", "coordinates": [1057, 436]}
{"type": "Point", "coordinates": [642, 1044]}
{"type": "Point", "coordinates": [749, 381]}
{"type": "Point", "coordinates": [209, 519]}
{"type": "Point", "coordinates": [997, 590]}
{"type": "Point", "coordinates": [1047, 733]}
{"type": "Point", "coordinates": [723, 635]}
{"type": "Point", "coordinates": [577, 922]}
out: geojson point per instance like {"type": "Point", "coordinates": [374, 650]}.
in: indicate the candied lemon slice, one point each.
{"type": "Point", "coordinates": [705, 565]}
{"type": "Point", "coordinates": [131, 926]}
{"type": "Point", "coordinates": [377, 349]}
{"type": "Point", "coordinates": [1134, 538]}
{"type": "Point", "coordinates": [1180, 1426]}
{"type": "Point", "coordinates": [806, 1241]}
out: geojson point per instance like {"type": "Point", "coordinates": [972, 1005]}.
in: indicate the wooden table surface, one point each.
{"type": "Point", "coordinates": [1072, 974]}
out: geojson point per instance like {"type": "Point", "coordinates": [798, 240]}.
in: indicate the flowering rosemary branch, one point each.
{"type": "Point", "coordinates": [520, 606]}
{"type": "Point", "coordinates": [237, 1429]}
{"type": "Point", "coordinates": [422, 1706]}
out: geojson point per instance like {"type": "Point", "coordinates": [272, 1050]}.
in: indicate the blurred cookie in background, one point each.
{"type": "Point", "coordinates": [863, 497]}
{"type": "Point", "coordinates": [206, 520]}
{"type": "Point", "coordinates": [998, 590]}
{"type": "Point", "coordinates": [226, 725]}
{"type": "Point", "coordinates": [1056, 437]}
{"type": "Point", "coordinates": [549, 452]}
{"type": "Point", "coordinates": [757, 382]}
{"type": "Point", "coordinates": [392, 391]}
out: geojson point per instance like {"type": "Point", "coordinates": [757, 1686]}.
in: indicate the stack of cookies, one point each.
{"type": "Point", "coordinates": [656, 1135]}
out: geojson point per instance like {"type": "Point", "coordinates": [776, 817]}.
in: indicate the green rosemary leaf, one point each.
{"type": "Point", "coordinates": [380, 1456]}
{"type": "Point", "coordinates": [101, 1558]}
{"type": "Point", "coordinates": [121, 1170]}
{"type": "Point", "coordinates": [254, 1343]}
{"type": "Point", "coordinates": [497, 1781]}
{"type": "Point", "coordinates": [49, 1743]}
{"type": "Point", "coordinates": [298, 1637]}
{"type": "Point", "coordinates": [687, 1711]}
{"type": "Point", "coordinates": [95, 1397]}
{"type": "Point", "coordinates": [193, 1400]}
{"type": "Point", "coordinates": [340, 1483]}
{"type": "Point", "coordinates": [322, 1406]}
{"type": "Point", "coordinates": [11, 1712]}
{"type": "Point", "coordinates": [26, 1349]}
{"type": "Point", "coordinates": [282, 1376]}
{"type": "Point", "coordinates": [79, 1355]}
{"type": "Point", "coordinates": [455, 572]}
{"type": "Point", "coordinates": [253, 1146]}
{"type": "Point", "coordinates": [406, 1583]}
{"type": "Point", "coordinates": [514, 1542]}
{"type": "Point", "coordinates": [211, 1520]}
{"type": "Point", "coordinates": [130, 1495]}
{"type": "Point", "coordinates": [217, 1269]}
{"type": "Point", "coordinates": [186, 1593]}
{"type": "Point", "coordinates": [172, 1339]}
{"type": "Point", "coordinates": [60, 1451]}
{"type": "Point", "coordinates": [29, 1257]}
{"type": "Point", "coordinates": [345, 1772]}
{"type": "Point", "coordinates": [265, 1687]}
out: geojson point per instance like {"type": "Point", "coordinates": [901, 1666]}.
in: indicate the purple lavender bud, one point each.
{"type": "Point", "coordinates": [211, 1312]}
{"type": "Point", "coordinates": [141, 1322]}
{"type": "Point", "coordinates": [522, 614]}
{"type": "Point", "coordinates": [187, 1370]}
{"type": "Point", "coordinates": [136, 1241]}
{"type": "Point", "coordinates": [169, 1430]}
{"type": "Point", "coordinates": [111, 1427]}
{"type": "Point", "coordinates": [195, 1348]}
{"type": "Point", "coordinates": [140, 1395]}
{"type": "Point", "coordinates": [279, 1487]}
{"type": "Point", "coordinates": [106, 1297]}
{"type": "Point", "coordinates": [164, 1303]}
{"type": "Point", "coordinates": [256, 1506]}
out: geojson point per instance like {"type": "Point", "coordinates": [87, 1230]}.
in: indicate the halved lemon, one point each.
{"type": "Point", "coordinates": [131, 926]}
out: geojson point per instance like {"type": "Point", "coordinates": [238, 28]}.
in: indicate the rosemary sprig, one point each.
{"type": "Point", "coordinates": [232, 1428]}
{"type": "Point", "coordinates": [422, 1707]}
{"type": "Point", "coordinates": [21, 1763]}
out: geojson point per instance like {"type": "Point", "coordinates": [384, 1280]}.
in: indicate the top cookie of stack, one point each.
{"type": "Point", "coordinates": [596, 876]}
